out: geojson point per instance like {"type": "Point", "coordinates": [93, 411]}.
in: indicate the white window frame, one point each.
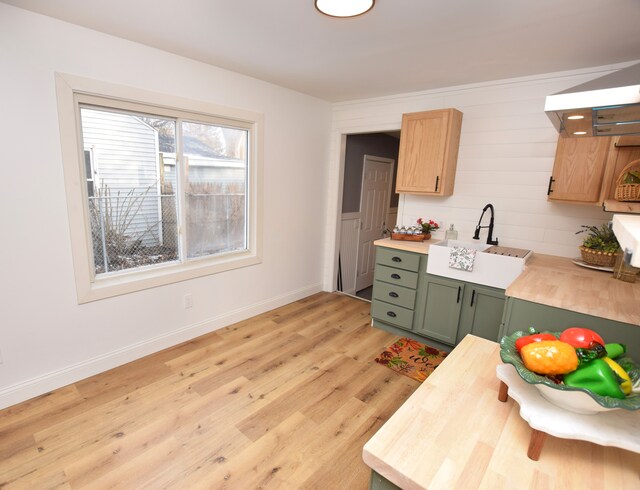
{"type": "Point", "coordinates": [71, 92]}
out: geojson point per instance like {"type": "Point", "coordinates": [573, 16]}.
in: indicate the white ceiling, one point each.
{"type": "Point", "coordinates": [400, 46]}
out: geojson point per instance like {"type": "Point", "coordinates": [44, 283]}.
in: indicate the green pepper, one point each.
{"type": "Point", "coordinates": [597, 377]}
{"type": "Point", "coordinates": [615, 350]}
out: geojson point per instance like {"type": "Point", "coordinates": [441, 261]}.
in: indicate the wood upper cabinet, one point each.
{"type": "Point", "coordinates": [579, 168]}
{"type": "Point", "coordinates": [625, 150]}
{"type": "Point", "coordinates": [428, 154]}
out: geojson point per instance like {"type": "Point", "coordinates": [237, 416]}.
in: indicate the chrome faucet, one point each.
{"type": "Point", "coordinates": [476, 236]}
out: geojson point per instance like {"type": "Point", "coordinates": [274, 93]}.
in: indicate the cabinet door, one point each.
{"type": "Point", "coordinates": [578, 169]}
{"type": "Point", "coordinates": [442, 309]}
{"type": "Point", "coordinates": [620, 155]}
{"type": "Point", "coordinates": [481, 312]}
{"type": "Point", "coordinates": [428, 154]}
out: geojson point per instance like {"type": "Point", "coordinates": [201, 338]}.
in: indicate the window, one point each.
{"type": "Point", "coordinates": [171, 187]}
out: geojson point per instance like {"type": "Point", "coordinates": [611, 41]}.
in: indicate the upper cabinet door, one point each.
{"type": "Point", "coordinates": [578, 169]}
{"type": "Point", "coordinates": [428, 156]}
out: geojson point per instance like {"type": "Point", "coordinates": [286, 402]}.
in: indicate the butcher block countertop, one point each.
{"type": "Point", "coordinates": [454, 433]}
{"type": "Point", "coordinates": [417, 247]}
{"type": "Point", "coordinates": [557, 281]}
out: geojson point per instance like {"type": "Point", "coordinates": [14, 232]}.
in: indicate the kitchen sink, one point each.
{"type": "Point", "coordinates": [493, 266]}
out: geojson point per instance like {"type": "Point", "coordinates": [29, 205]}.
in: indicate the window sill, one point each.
{"type": "Point", "coordinates": [129, 282]}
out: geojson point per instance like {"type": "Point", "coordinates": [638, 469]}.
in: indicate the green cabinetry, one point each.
{"type": "Point", "coordinates": [520, 315]}
{"type": "Point", "coordinates": [481, 312]}
{"type": "Point", "coordinates": [394, 288]}
{"type": "Point", "coordinates": [441, 311]}
{"type": "Point", "coordinates": [457, 308]}
{"type": "Point", "coordinates": [443, 304]}
{"type": "Point", "coordinates": [379, 482]}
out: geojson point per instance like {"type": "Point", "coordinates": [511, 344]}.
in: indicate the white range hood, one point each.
{"type": "Point", "coordinates": [627, 231]}
{"type": "Point", "coordinates": [606, 106]}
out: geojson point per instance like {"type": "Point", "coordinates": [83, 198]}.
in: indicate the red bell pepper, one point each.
{"type": "Point", "coordinates": [536, 337]}
{"type": "Point", "coordinates": [581, 337]}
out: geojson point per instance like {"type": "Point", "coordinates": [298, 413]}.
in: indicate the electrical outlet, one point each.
{"type": "Point", "coordinates": [188, 301]}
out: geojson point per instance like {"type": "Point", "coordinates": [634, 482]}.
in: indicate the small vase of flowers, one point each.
{"type": "Point", "coordinates": [427, 227]}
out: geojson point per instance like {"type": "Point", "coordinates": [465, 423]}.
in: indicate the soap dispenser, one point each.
{"type": "Point", "coordinates": [451, 234]}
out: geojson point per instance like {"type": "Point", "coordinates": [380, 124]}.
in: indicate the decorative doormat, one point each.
{"type": "Point", "coordinates": [411, 358]}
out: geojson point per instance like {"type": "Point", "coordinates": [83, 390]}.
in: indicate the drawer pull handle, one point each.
{"type": "Point", "coordinates": [393, 294]}
{"type": "Point", "coordinates": [459, 291]}
{"type": "Point", "coordinates": [395, 276]}
{"type": "Point", "coordinates": [391, 314]}
{"type": "Point", "coordinates": [473, 295]}
{"type": "Point", "coordinates": [396, 259]}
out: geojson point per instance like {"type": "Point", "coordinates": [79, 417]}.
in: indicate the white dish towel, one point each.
{"type": "Point", "coordinates": [462, 258]}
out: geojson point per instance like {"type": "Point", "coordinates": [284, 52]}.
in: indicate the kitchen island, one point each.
{"type": "Point", "coordinates": [453, 432]}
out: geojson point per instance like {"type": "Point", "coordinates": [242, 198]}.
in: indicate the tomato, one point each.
{"type": "Point", "coordinates": [538, 337]}
{"type": "Point", "coordinates": [580, 337]}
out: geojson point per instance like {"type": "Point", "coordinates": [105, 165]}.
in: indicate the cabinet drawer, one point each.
{"type": "Point", "coordinates": [392, 314]}
{"type": "Point", "coordinates": [393, 275]}
{"type": "Point", "coordinates": [394, 294]}
{"type": "Point", "coordinates": [398, 259]}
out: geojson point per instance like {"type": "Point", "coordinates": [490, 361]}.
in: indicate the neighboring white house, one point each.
{"type": "Point", "coordinates": [122, 153]}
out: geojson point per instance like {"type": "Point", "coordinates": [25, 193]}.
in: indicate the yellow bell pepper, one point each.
{"type": "Point", "coordinates": [626, 384]}
{"type": "Point", "coordinates": [549, 357]}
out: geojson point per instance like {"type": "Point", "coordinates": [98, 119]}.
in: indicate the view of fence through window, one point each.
{"type": "Point", "coordinates": [133, 173]}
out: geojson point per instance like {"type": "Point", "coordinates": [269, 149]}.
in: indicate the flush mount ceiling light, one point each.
{"type": "Point", "coordinates": [344, 8]}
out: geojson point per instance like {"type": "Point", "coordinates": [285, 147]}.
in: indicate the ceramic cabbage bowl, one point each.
{"type": "Point", "coordinates": [578, 400]}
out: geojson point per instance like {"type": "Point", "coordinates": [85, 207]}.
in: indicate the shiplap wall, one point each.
{"type": "Point", "coordinates": [506, 157]}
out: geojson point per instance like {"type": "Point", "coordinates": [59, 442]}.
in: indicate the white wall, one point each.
{"type": "Point", "coordinates": [46, 339]}
{"type": "Point", "coordinates": [506, 156]}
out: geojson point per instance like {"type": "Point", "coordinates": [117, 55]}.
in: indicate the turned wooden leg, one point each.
{"type": "Point", "coordinates": [535, 444]}
{"type": "Point", "coordinates": [503, 392]}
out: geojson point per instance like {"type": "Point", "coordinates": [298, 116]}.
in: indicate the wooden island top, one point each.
{"type": "Point", "coordinates": [556, 281]}
{"type": "Point", "coordinates": [453, 432]}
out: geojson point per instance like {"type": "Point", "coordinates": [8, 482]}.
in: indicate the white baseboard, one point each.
{"type": "Point", "coordinates": [45, 383]}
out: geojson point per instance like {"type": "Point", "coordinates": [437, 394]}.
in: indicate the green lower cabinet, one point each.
{"type": "Point", "coordinates": [520, 315]}
{"type": "Point", "coordinates": [443, 305]}
{"type": "Point", "coordinates": [454, 309]}
{"type": "Point", "coordinates": [395, 284]}
{"type": "Point", "coordinates": [379, 482]}
{"type": "Point", "coordinates": [481, 312]}
{"type": "Point", "coordinates": [433, 309]}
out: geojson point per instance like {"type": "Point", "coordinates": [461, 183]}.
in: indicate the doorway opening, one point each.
{"type": "Point", "coordinates": [369, 207]}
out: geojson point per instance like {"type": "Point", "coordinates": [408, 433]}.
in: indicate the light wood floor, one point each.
{"type": "Point", "coordinates": [283, 400]}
